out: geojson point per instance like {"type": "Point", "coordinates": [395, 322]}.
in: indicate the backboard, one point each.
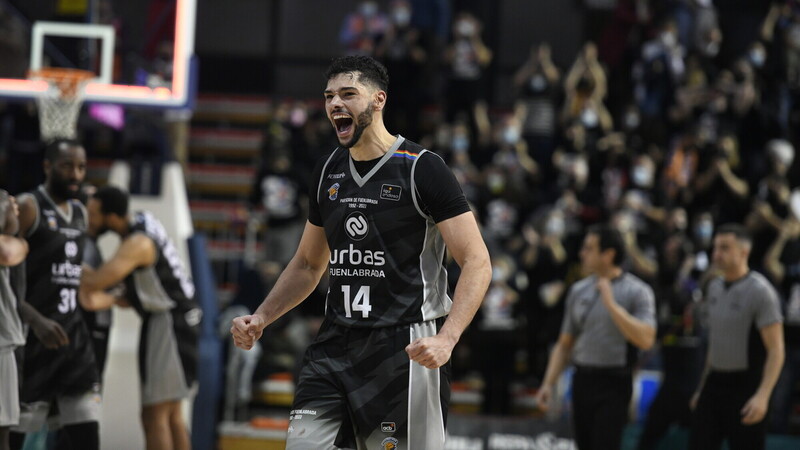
{"type": "Point", "coordinates": [141, 51]}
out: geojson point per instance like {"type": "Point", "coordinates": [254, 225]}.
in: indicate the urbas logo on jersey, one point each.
{"type": "Point", "coordinates": [333, 191]}
{"type": "Point", "coordinates": [355, 257]}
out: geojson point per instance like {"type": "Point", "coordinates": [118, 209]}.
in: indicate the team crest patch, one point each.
{"type": "Point", "coordinates": [333, 191]}
{"type": "Point", "coordinates": [388, 427]}
{"type": "Point", "coordinates": [389, 443]}
{"type": "Point", "coordinates": [52, 223]}
{"type": "Point", "coordinates": [391, 192]}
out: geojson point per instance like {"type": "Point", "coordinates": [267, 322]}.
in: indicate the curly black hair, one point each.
{"type": "Point", "coordinates": [371, 72]}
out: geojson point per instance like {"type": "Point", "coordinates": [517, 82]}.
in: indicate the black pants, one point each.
{"type": "Point", "coordinates": [600, 400]}
{"type": "Point", "coordinates": [718, 414]}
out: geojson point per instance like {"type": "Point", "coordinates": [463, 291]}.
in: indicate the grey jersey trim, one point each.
{"type": "Point", "coordinates": [322, 173]}
{"type": "Point", "coordinates": [360, 181]}
{"type": "Point", "coordinates": [425, 412]}
{"type": "Point", "coordinates": [66, 216]}
{"type": "Point", "coordinates": [414, 184]}
{"type": "Point", "coordinates": [37, 213]}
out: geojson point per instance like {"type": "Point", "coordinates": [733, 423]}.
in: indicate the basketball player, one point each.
{"type": "Point", "coordinates": [158, 287]}
{"type": "Point", "coordinates": [382, 210]}
{"type": "Point", "coordinates": [59, 364]}
{"type": "Point", "coordinates": [13, 251]}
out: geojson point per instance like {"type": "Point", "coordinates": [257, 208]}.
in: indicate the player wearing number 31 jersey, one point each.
{"type": "Point", "coordinates": [58, 364]}
{"type": "Point", "coordinates": [382, 210]}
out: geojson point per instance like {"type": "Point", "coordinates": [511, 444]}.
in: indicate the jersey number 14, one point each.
{"type": "Point", "coordinates": [359, 303]}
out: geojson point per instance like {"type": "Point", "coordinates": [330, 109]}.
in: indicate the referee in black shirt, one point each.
{"type": "Point", "coordinates": [745, 350]}
{"type": "Point", "coordinates": [609, 315]}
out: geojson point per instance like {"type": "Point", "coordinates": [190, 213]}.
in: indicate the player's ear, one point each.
{"type": "Point", "coordinates": [379, 100]}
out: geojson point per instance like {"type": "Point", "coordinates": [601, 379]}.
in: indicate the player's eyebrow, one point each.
{"type": "Point", "coordinates": [343, 88]}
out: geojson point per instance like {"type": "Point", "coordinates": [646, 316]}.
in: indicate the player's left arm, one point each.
{"type": "Point", "coordinates": [464, 241]}
{"type": "Point", "coordinates": [135, 251]}
{"type": "Point", "coordinates": [756, 407]}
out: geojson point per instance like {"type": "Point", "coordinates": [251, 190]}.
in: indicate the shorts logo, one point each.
{"type": "Point", "coordinates": [391, 192]}
{"type": "Point", "coordinates": [356, 226]}
{"type": "Point", "coordinates": [389, 443]}
{"type": "Point", "coordinates": [388, 427]}
{"type": "Point", "coordinates": [333, 191]}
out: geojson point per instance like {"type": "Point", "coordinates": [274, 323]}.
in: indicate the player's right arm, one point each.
{"type": "Point", "coordinates": [297, 281]}
{"type": "Point", "coordinates": [48, 331]}
{"type": "Point", "coordinates": [555, 365]}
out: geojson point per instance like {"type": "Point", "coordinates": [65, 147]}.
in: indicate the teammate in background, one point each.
{"type": "Point", "coordinates": [382, 211]}
{"type": "Point", "coordinates": [609, 315]}
{"type": "Point", "coordinates": [158, 287]}
{"type": "Point", "coordinates": [745, 350]}
{"type": "Point", "coordinates": [13, 251]}
{"type": "Point", "coordinates": [58, 365]}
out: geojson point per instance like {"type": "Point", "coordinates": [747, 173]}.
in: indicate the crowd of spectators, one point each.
{"type": "Point", "coordinates": [656, 128]}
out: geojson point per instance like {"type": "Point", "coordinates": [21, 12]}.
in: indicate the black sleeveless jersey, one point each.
{"type": "Point", "coordinates": [386, 262]}
{"type": "Point", "coordinates": [166, 284]}
{"type": "Point", "coordinates": [53, 265]}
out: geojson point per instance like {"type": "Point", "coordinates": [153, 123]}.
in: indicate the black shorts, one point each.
{"type": "Point", "coordinates": [68, 370]}
{"type": "Point", "coordinates": [358, 389]}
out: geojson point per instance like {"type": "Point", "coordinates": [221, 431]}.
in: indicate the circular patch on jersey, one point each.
{"type": "Point", "coordinates": [71, 249]}
{"type": "Point", "coordinates": [389, 443]}
{"type": "Point", "coordinates": [356, 225]}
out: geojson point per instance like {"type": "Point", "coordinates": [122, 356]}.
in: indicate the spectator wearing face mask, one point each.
{"type": "Point", "coordinates": [719, 186]}
{"type": "Point", "coordinates": [403, 55]}
{"type": "Point", "coordinates": [362, 29]}
{"type": "Point", "coordinates": [496, 327]}
{"type": "Point", "coordinates": [585, 88]}
{"type": "Point", "coordinates": [543, 258]}
{"type": "Point", "coordinates": [770, 205]}
{"type": "Point", "coordinates": [467, 58]}
{"type": "Point", "coordinates": [537, 83]}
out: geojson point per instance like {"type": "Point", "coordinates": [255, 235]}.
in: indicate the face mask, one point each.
{"type": "Point", "coordinates": [555, 226]}
{"type": "Point", "coordinates": [499, 274]}
{"type": "Point", "coordinates": [510, 135]}
{"type": "Point", "coordinates": [465, 28]}
{"type": "Point", "coordinates": [631, 120]}
{"type": "Point", "coordinates": [460, 143]}
{"type": "Point", "coordinates": [298, 117]}
{"type": "Point", "coordinates": [538, 83]}
{"type": "Point", "coordinates": [589, 118]}
{"type": "Point", "coordinates": [401, 16]}
{"type": "Point", "coordinates": [757, 58]}
{"type": "Point", "coordinates": [642, 176]}
{"type": "Point", "coordinates": [711, 49]}
{"type": "Point", "coordinates": [368, 9]}
{"type": "Point", "coordinates": [668, 39]}
{"type": "Point", "coordinates": [496, 182]}
{"type": "Point", "coordinates": [704, 230]}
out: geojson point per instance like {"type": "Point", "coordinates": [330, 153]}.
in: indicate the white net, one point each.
{"type": "Point", "coordinates": [60, 105]}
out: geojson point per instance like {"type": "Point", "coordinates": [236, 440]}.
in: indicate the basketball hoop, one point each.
{"type": "Point", "coordinates": [60, 104]}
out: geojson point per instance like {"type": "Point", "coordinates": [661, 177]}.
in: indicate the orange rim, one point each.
{"type": "Point", "coordinates": [67, 80]}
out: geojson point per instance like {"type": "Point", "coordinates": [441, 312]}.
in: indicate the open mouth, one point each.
{"type": "Point", "coordinates": [343, 123]}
